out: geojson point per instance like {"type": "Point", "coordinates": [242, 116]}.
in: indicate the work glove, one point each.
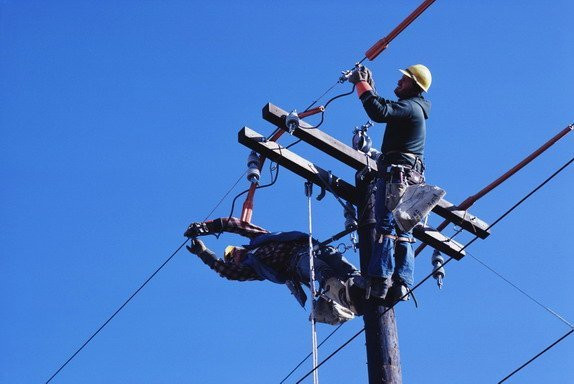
{"type": "Point", "coordinates": [197, 229]}
{"type": "Point", "coordinates": [362, 73]}
{"type": "Point", "coordinates": [199, 249]}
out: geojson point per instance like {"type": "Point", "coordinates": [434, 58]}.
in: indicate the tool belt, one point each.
{"type": "Point", "coordinates": [398, 177]}
{"type": "Point", "coordinates": [400, 174]}
{"type": "Point", "coordinates": [390, 167]}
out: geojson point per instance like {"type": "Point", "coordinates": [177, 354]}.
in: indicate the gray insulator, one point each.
{"type": "Point", "coordinates": [253, 173]}
{"type": "Point", "coordinates": [439, 271]}
{"type": "Point", "coordinates": [292, 121]}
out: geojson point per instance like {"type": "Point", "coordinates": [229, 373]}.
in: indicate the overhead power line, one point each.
{"type": "Point", "coordinates": [117, 311]}
{"type": "Point", "coordinates": [537, 356]}
{"type": "Point", "coordinates": [445, 263]}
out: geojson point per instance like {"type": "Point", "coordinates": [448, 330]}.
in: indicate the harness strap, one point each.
{"type": "Point", "coordinates": [395, 238]}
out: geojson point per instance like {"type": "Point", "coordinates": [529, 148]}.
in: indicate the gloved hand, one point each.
{"type": "Point", "coordinates": [196, 229]}
{"type": "Point", "coordinates": [362, 73]}
{"type": "Point", "coordinates": [197, 247]}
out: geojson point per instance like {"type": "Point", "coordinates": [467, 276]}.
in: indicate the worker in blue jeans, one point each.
{"type": "Point", "coordinates": [391, 265]}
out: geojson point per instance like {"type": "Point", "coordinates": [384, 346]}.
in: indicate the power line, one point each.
{"type": "Point", "coordinates": [141, 286]}
{"type": "Point", "coordinates": [310, 354]}
{"type": "Point", "coordinates": [446, 262]}
{"type": "Point", "coordinates": [116, 312]}
{"type": "Point", "coordinates": [537, 356]}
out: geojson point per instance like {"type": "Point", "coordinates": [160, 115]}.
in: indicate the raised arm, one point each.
{"type": "Point", "coordinates": [231, 225]}
{"type": "Point", "coordinates": [227, 270]}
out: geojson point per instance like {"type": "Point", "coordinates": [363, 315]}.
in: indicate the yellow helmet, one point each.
{"type": "Point", "coordinates": [420, 74]}
{"type": "Point", "coordinates": [228, 252]}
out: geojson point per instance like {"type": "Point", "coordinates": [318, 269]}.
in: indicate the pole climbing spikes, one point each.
{"type": "Point", "coordinates": [350, 214]}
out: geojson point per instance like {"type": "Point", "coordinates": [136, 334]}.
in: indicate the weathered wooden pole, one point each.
{"type": "Point", "coordinates": [382, 341]}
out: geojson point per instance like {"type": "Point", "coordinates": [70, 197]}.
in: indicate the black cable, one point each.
{"type": "Point", "coordinates": [293, 143]}
{"type": "Point", "coordinates": [537, 356]}
{"type": "Point", "coordinates": [325, 106]}
{"type": "Point", "coordinates": [338, 96]}
{"type": "Point", "coordinates": [311, 353]}
{"type": "Point", "coordinates": [319, 98]}
{"type": "Point", "coordinates": [444, 264]}
{"type": "Point", "coordinates": [224, 196]}
{"type": "Point", "coordinates": [117, 311]}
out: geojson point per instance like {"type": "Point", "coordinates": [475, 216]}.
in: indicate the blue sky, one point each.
{"type": "Point", "coordinates": [119, 127]}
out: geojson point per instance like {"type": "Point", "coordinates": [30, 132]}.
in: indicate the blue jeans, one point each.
{"type": "Point", "coordinates": [328, 263]}
{"type": "Point", "coordinates": [390, 259]}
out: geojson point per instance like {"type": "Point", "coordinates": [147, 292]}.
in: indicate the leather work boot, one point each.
{"type": "Point", "coordinates": [398, 291]}
{"type": "Point", "coordinates": [378, 287]}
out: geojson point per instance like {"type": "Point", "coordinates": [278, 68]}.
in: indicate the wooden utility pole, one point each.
{"type": "Point", "coordinates": [381, 336]}
{"type": "Point", "coordinates": [382, 339]}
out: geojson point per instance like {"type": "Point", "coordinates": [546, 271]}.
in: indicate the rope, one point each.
{"type": "Point", "coordinates": [309, 193]}
{"type": "Point", "coordinates": [116, 312]}
{"type": "Point", "coordinates": [448, 261]}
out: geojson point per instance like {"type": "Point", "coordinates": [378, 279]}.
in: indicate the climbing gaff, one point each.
{"type": "Point", "coordinates": [350, 214]}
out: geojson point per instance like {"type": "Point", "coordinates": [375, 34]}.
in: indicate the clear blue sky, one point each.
{"type": "Point", "coordinates": [119, 127]}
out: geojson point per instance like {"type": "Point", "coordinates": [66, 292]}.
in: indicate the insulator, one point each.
{"type": "Point", "coordinates": [350, 213]}
{"type": "Point", "coordinates": [361, 141]}
{"type": "Point", "coordinates": [292, 121]}
{"type": "Point", "coordinates": [438, 271]}
{"type": "Point", "coordinates": [253, 173]}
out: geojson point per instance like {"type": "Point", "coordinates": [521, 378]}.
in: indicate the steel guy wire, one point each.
{"type": "Point", "coordinates": [117, 311]}
{"type": "Point", "coordinates": [554, 313]}
{"type": "Point", "coordinates": [448, 261]}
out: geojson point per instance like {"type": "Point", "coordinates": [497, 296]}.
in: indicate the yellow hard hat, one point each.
{"type": "Point", "coordinates": [228, 252]}
{"type": "Point", "coordinates": [420, 74]}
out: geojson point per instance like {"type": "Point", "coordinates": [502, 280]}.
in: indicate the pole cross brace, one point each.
{"type": "Point", "coordinates": [358, 161]}
{"type": "Point", "coordinates": [346, 191]}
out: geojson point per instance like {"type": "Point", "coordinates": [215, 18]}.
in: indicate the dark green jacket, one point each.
{"type": "Point", "coordinates": [406, 127]}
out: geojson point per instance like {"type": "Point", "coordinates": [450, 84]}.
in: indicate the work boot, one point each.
{"type": "Point", "coordinates": [398, 291]}
{"type": "Point", "coordinates": [338, 291]}
{"type": "Point", "coordinates": [378, 287]}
